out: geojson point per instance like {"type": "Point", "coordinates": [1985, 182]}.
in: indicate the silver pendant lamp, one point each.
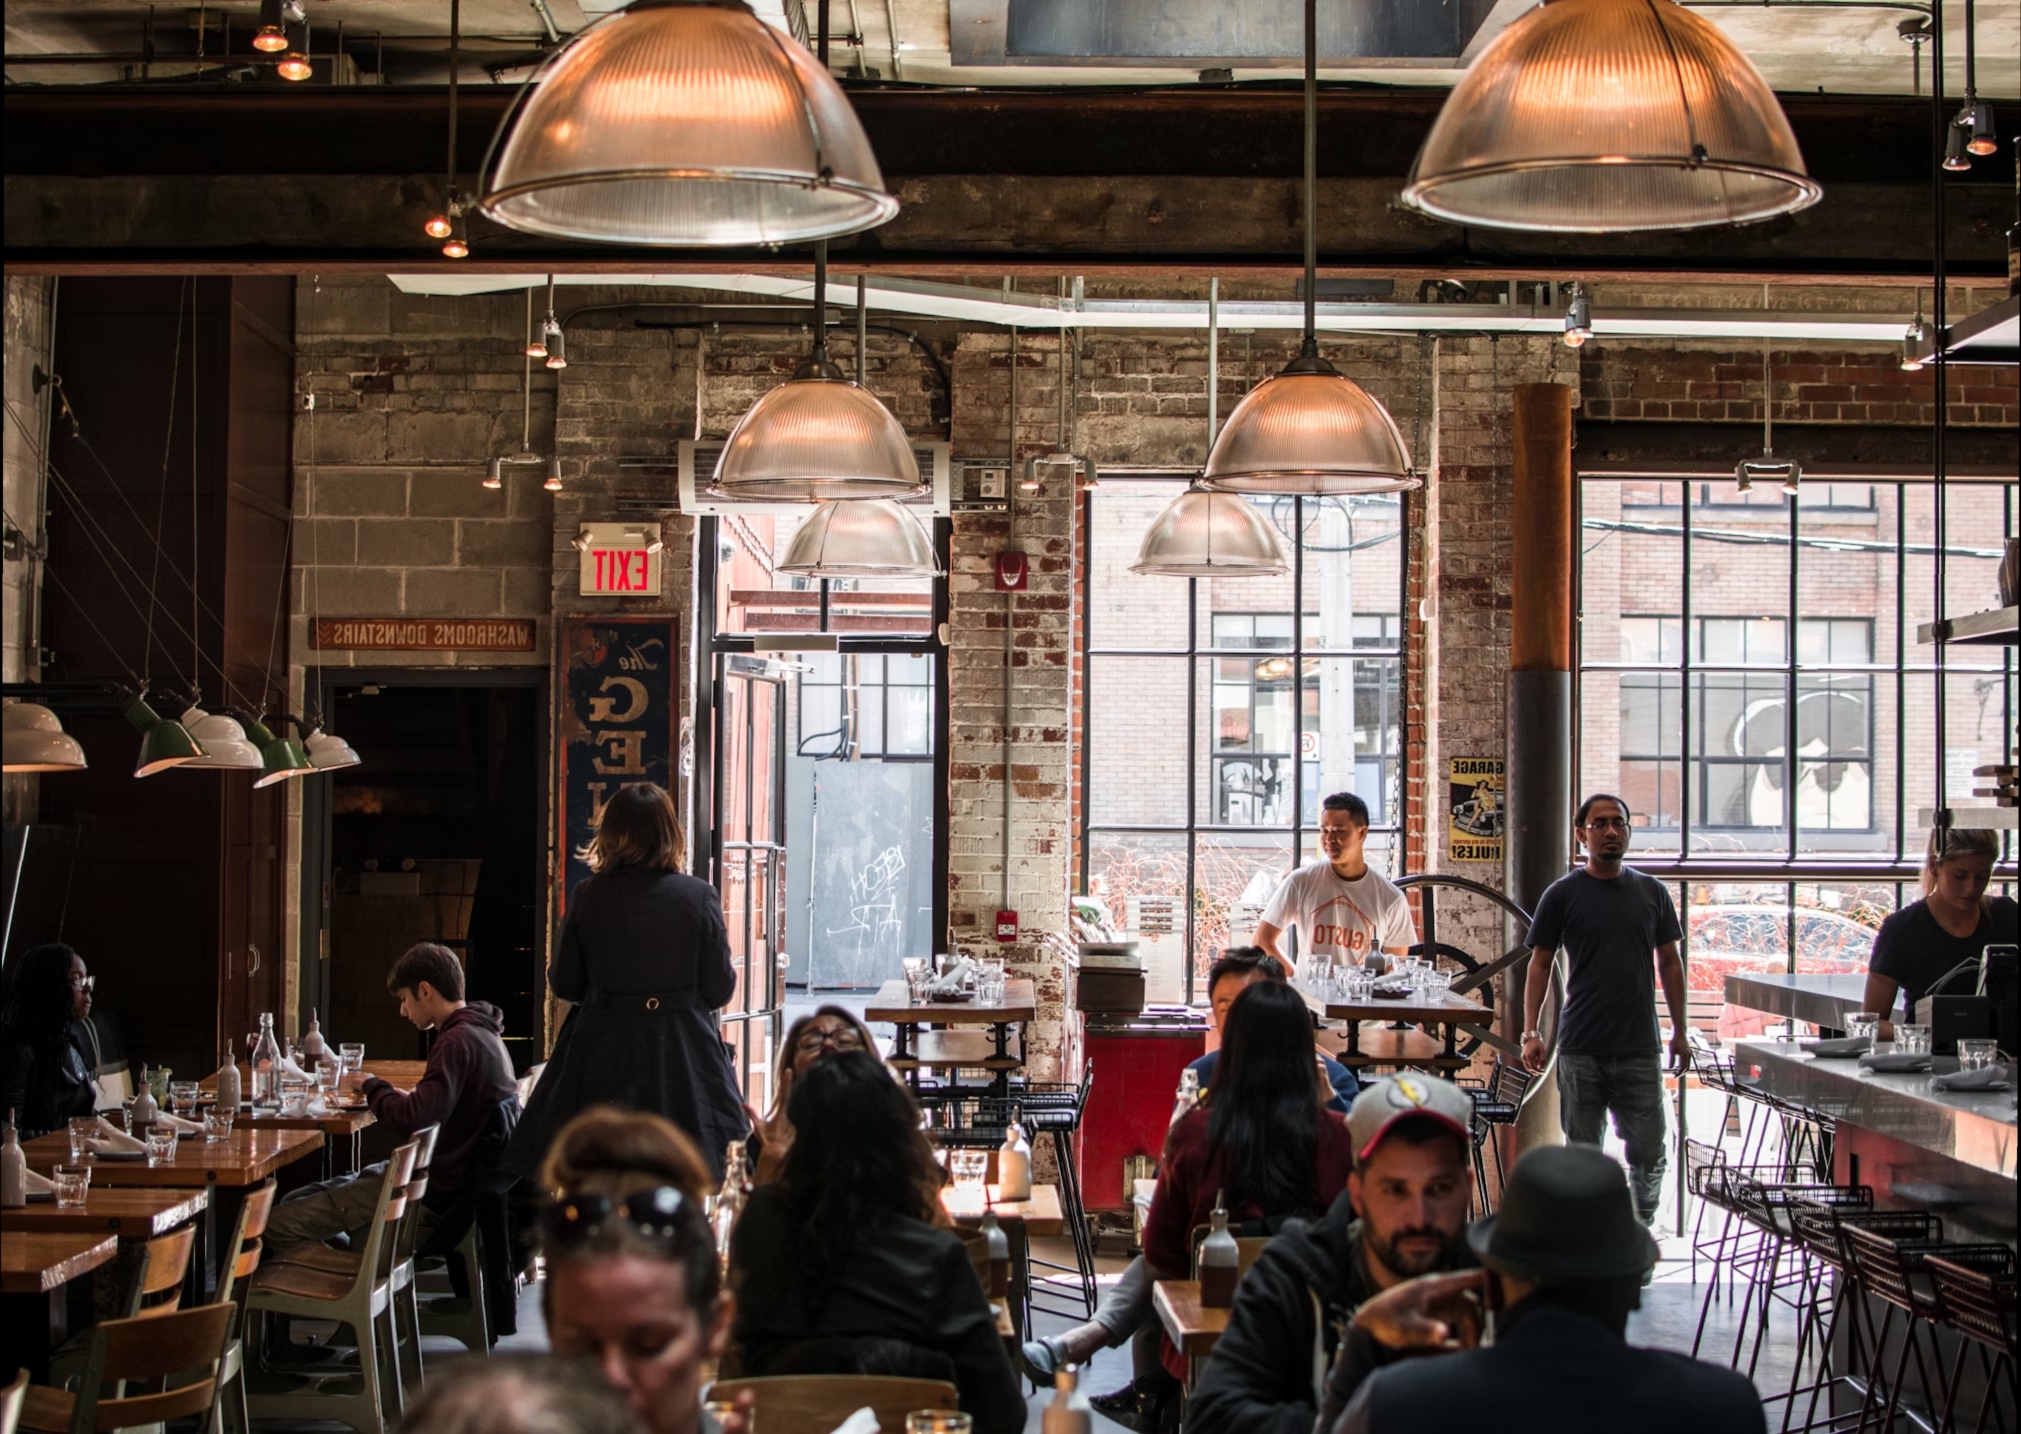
{"type": "Point", "coordinates": [685, 122]}
{"type": "Point", "coordinates": [1311, 429]}
{"type": "Point", "coordinates": [861, 538]}
{"type": "Point", "coordinates": [1204, 534]}
{"type": "Point", "coordinates": [1610, 117]}
{"type": "Point", "coordinates": [225, 748]}
{"type": "Point", "coordinates": [32, 739]}
{"type": "Point", "coordinates": [817, 436]}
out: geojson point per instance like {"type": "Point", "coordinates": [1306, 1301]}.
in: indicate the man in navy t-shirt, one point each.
{"type": "Point", "coordinates": [1609, 920]}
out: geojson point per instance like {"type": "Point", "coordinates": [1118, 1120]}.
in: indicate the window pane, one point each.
{"type": "Point", "coordinates": [1136, 739]}
{"type": "Point", "coordinates": [1234, 877]}
{"type": "Point", "coordinates": [1732, 928]}
{"type": "Point", "coordinates": [910, 717]}
{"type": "Point", "coordinates": [1126, 609]}
{"type": "Point", "coordinates": [1353, 552]}
{"type": "Point", "coordinates": [1141, 879]}
{"type": "Point", "coordinates": [1630, 560]}
{"type": "Point", "coordinates": [1630, 743]}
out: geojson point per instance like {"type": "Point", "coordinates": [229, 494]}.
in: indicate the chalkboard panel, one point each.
{"type": "Point", "coordinates": [619, 720]}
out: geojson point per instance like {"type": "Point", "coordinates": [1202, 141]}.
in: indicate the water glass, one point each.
{"type": "Point", "coordinates": [968, 1167]}
{"type": "Point", "coordinates": [72, 1181]}
{"type": "Point", "coordinates": [1976, 1053]}
{"type": "Point", "coordinates": [1912, 1040]}
{"type": "Point", "coordinates": [161, 1144]}
{"type": "Point", "coordinates": [295, 1096]}
{"type": "Point", "coordinates": [329, 1073]}
{"type": "Point", "coordinates": [183, 1096]}
{"type": "Point", "coordinates": [1862, 1023]}
{"type": "Point", "coordinates": [352, 1053]}
{"type": "Point", "coordinates": [82, 1129]}
{"type": "Point", "coordinates": [1435, 985]}
{"type": "Point", "coordinates": [938, 1421]}
{"type": "Point", "coordinates": [1358, 984]}
{"type": "Point", "coordinates": [918, 971]}
{"type": "Point", "coordinates": [217, 1127]}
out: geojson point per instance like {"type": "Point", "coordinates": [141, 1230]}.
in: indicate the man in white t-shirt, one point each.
{"type": "Point", "coordinates": [1344, 912]}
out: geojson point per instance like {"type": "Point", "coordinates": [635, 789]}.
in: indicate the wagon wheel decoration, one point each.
{"type": "Point", "coordinates": [1475, 977]}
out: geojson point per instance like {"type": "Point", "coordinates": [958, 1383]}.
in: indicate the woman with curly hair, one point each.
{"type": "Point", "coordinates": [42, 1077]}
{"type": "Point", "coordinates": [847, 1265]}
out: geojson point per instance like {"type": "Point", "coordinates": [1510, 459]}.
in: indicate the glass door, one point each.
{"type": "Point", "coordinates": [750, 859]}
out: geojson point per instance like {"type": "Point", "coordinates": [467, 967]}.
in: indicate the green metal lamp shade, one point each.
{"type": "Point", "coordinates": [163, 744]}
{"type": "Point", "coordinates": [280, 757]}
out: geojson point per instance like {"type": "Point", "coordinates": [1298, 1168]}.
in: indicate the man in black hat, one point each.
{"type": "Point", "coordinates": [1564, 1263]}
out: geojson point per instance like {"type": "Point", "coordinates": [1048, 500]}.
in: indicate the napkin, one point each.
{"type": "Point", "coordinates": [186, 1127]}
{"type": "Point", "coordinates": [38, 1184]}
{"type": "Point", "coordinates": [1993, 1077]}
{"type": "Point", "coordinates": [863, 1421]}
{"type": "Point", "coordinates": [948, 985]}
{"type": "Point", "coordinates": [1844, 1046]}
{"type": "Point", "coordinates": [1896, 1062]}
{"type": "Point", "coordinates": [111, 1138]}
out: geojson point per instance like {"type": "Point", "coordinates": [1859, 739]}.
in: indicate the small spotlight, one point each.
{"type": "Point", "coordinates": [295, 66]}
{"type": "Point", "coordinates": [655, 543]}
{"type": "Point", "coordinates": [582, 542]}
{"type": "Point", "coordinates": [553, 483]}
{"type": "Point", "coordinates": [557, 349]}
{"type": "Point", "coordinates": [1578, 317]}
{"type": "Point", "coordinates": [1955, 158]}
{"type": "Point", "coordinates": [1978, 117]}
{"type": "Point", "coordinates": [1915, 340]}
{"type": "Point", "coordinates": [536, 348]}
{"type": "Point", "coordinates": [494, 476]}
{"type": "Point", "coordinates": [457, 245]}
{"type": "Point", "coordinates": [270, 40]}
{"type": "Point", "coordinates": [438, 227]}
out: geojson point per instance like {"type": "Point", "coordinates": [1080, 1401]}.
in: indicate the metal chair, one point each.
{"type": "Point", "coordinates": [1497, 1103]}
{"type": "Point", "coordinates": [1975, 1294]}
{"type": "Point", "coordinates": [1893, 1271]}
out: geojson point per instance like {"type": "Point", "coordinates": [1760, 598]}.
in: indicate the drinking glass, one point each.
{"type": "Point", "coordinates": [918, 971]}
{"type": "Point", "coordinates": [1976, 1053]}
{"type": "Point", "coordinates": [329, 1071]}
{"type": "Point", "coordinates": [1862, 1023]}
{"type": "Point", "coordinates": [82, 1128]}
{"type": "Point", "coordinates": [353, 1055]}
{"type": "Point", "coordinates": [1435, 985]}
{"type": "Point", "coordinates": [295, 1095]}
{"type": "Point", "coordinates": [183, 1096]}
{"type": "Point", "coordinates": [938, 1421]}
{"type": "Point", "coordinates": [1358, 984]}
{"type": "Point", "coordinates": [160, 1144]}
{"type": "Point", "coordinates": [71, 1183]}
{"type": "Point", "coordinates": [217, 1127]}
{"type": "Point", "coordinates": [1912, 1040]}
{"type": "Point", "coordinates": [968, 1168]}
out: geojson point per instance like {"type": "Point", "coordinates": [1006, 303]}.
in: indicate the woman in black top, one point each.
{"type": "Point", "coordinates": [1926, 940]}
{"type": "Point", "coordinates": [847, 1264]}
{"type": "Point", "coordinates": [42, 1077]}
{"type": "Point", "coordinates": [645, 961]}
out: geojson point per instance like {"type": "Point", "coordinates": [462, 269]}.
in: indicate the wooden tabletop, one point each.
{"type": "Point", "coordinates": [249, 1157]}
{"type": "Point", "coordinates": [1445, 1009]}
{"type": "Point", "coordinates": [401, 1075]}
{"type": "Point", "coordinates": [129, 1214]}
{"type": "Point", "coordinates": [1020, 1003]}
{"type": "Point", "coordinates": [35, 1264]}
{"type": "Point", "coordinates": [1040, 1215]}
{"type": "Point", "coordinates": [955, 1050]}
{"type": "Point", "coordinates": [1194, 1329]}
{"type": "Point", "coordinates": [337, 1122]}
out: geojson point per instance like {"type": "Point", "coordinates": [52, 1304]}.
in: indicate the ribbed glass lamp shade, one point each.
{"type": "Point", "coordinates": [814, 438]}
{"type": "Point", "coordinates": [223, 740]}
{"type": "Point", "coordinates": [328, 752]}
{"type": "Point", "coordinates": [32, 739]}
{"type": "Point", "coordinates": [1610, 117]}
{"type": "Point", "coordinates": [1204, 534]}
{"type": "Point", "coordinates": [1310, 429]}
{"type": "Point", "coordinates": [861, 538]}
{"type": "Point", "coordinates": [678, 122]}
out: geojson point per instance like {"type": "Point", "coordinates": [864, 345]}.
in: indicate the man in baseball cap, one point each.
{"type": "Point", "coordinates": [1403, 1214]}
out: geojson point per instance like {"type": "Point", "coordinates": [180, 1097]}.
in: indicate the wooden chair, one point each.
{"type": "Point", "coordinates": [229, 1413]}
{"type": "Point", "coordinates": [179, 1352]}
{"type": "Point", "coordinates": [156, 1291]}
{"type": "Point", "coordinates": [361, 1298]}
{"type": "Point", "coordinates": [816, 1403]}
{"type": "Point", "coordinates": [10, 1403]}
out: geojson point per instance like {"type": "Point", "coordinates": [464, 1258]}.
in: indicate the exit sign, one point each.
{"type": "Point", "coordinates": [619, 560]}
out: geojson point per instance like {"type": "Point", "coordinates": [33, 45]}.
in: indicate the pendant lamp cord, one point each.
{"type": "Point", "coordinates": [195, 598]}
{"type": "Point", "coordinates": [161, 506]}
{"type": "Point", "coordinates": [1311, 346]}
{"type": "Point", "coordinates": [820, 354]}
{"type": "Point", "coordinates": [455, 58]}
{"type": "Point", "coordinates": [1767, 388]}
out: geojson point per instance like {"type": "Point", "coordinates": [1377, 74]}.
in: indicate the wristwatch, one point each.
{"type": "Point", "coordinates": [1533, 1036]}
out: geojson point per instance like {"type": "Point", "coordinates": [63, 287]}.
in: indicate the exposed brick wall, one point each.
{"type": "Point", "coordinates": [27, 342]}
{"type": "Point", "coordinates": [1624, 381]}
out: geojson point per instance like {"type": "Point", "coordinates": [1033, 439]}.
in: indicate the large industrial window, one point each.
{"type": "Point", "coordinates": [1786, 788]}
{"type": "Point", "coordinates": [1217, 713]}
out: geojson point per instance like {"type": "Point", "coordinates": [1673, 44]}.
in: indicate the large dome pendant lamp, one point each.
{"type": "Point", "coordinates": [32, 739]}
{"type": "Point", "coordinates": [1610, 117]}
{"type": "Point", "coordinates": [685, 122]}
{"type": "Point", "coordinates": [861, 538]}
{"type": "Point", "coordinates": [1311, 429]}
{"type": "Point", "coordinates": [817, 436]}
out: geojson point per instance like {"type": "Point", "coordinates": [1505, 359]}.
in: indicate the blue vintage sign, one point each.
{"type": "Point", "coordinates": [619, 721]}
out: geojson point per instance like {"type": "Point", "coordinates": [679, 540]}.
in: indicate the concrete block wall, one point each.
{"type": "Point", "coordinates": [27, 338]}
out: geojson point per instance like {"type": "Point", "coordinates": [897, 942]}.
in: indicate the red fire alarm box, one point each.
{"type": "Point", "coordinates": [1013, 571]}
{"type": "Point", "coordinates": [1006, 926]}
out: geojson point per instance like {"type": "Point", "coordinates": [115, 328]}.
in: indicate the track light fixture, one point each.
{"type": "Point", "coordinates": [556, 344]}
{"type": "Point", "coordinates": [1578, 317]}
{"type": "Point", "coordinates": [1978, 118]}
{"type": "Point", "coordinates": [494, 476]}
{"type": "Point", "coordinates": [1915, 344]}
{"type": "Point", "coordinates": [1955, 158]}
{"type": "Point", "coordinates": [272, 36]}
{"type": "Point", "coordinates": [457, 245]}
{"type": "Point", "coordinates": [550, 341]}
{"type": "Point", "coordinates": [553, 483]}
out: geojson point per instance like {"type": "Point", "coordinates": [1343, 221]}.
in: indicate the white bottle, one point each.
{"type": "Point", "coordinates": [1014, 1163]}
{"type": "Point", "coordinates": [1069, 1412]}
{"type": "Point", "coordinates": [313, 1047]}
{"type": "Point", "coordinates": [230, 1091]}
{"type": "Point", "coordinates": [13, 1169]}
{"type": "Point", "coordinates": [266, 1064]}
{"type": "Point", "coordinates": [145, 1108]}
{"type": "Point", "coordinates": [1189, 1093]}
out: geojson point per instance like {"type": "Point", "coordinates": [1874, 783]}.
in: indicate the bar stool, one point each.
{"type": "Point", "coordinates": [1497, 1103]}
{"type": "Point", "coordinates": [1770, 1206]}
{"type": "Point", "coordinates": [1894, 1272]}
{"type": "Point", "coordinates": [1975, 1290]}
{"type": "Point", "coordinates": [1057, 1111]}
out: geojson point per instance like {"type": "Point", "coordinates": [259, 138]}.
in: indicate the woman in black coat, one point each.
{"type": "Point", "coordinates": [42, 1077]}
{"type": "Point", "coordinates": [645, 961]}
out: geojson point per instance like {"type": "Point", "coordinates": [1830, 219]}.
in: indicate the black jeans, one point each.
{"type": "Point", "coordinates": [1630, 1086]}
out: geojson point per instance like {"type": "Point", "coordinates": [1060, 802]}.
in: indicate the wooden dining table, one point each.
{"type": "Point", "coordinates": [37, 1268]}
{"type": "Point", "coordinates": [1193, 1328]}
{"type": "Point", "coordinates": [1021, 1219]}
{"type": "Point", "coordinates": [915, 1048]}
{"type": "Point", "coordinates": [1450, 1012]}
{"type": "Point", "coordinates": [127, 1214]}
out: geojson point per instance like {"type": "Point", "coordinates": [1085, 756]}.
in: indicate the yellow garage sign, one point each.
{"type": "Point", "coordinates": [1474, 809]}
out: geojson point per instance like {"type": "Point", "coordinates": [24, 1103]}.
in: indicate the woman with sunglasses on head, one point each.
{"type": "Point", "coordinates": [645, 963]}
{"type": "Point", "coordinates": [632, 1281]}
{"type": "Point", "coordinates": [43, 1079]}
{"type": "Point", "coordinates": [827, 1031]}
{"type": "Point", "coordinates": [847, 1264]}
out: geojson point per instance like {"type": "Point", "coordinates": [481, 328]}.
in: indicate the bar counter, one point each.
{"type": "Point", "coordinates": [1823, 1000]}
{"type": "Point", "coordinates": [1950, 1153]}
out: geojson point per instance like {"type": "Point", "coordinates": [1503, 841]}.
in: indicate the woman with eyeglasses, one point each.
{"type": "Point", "coordinates": [42, 1077]}
{"type": "Point", "coordinates": [645, 963]}
{"type": "Point", "coordinates": [827, 1031]}
{"type": "Point", "coordinates": [632, 1281]}
{"type": "Point", "coordinates": [847, 1265]}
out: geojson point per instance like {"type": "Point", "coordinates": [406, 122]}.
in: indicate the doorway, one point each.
{"type": "Point", "coordinates": [438, 835]}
